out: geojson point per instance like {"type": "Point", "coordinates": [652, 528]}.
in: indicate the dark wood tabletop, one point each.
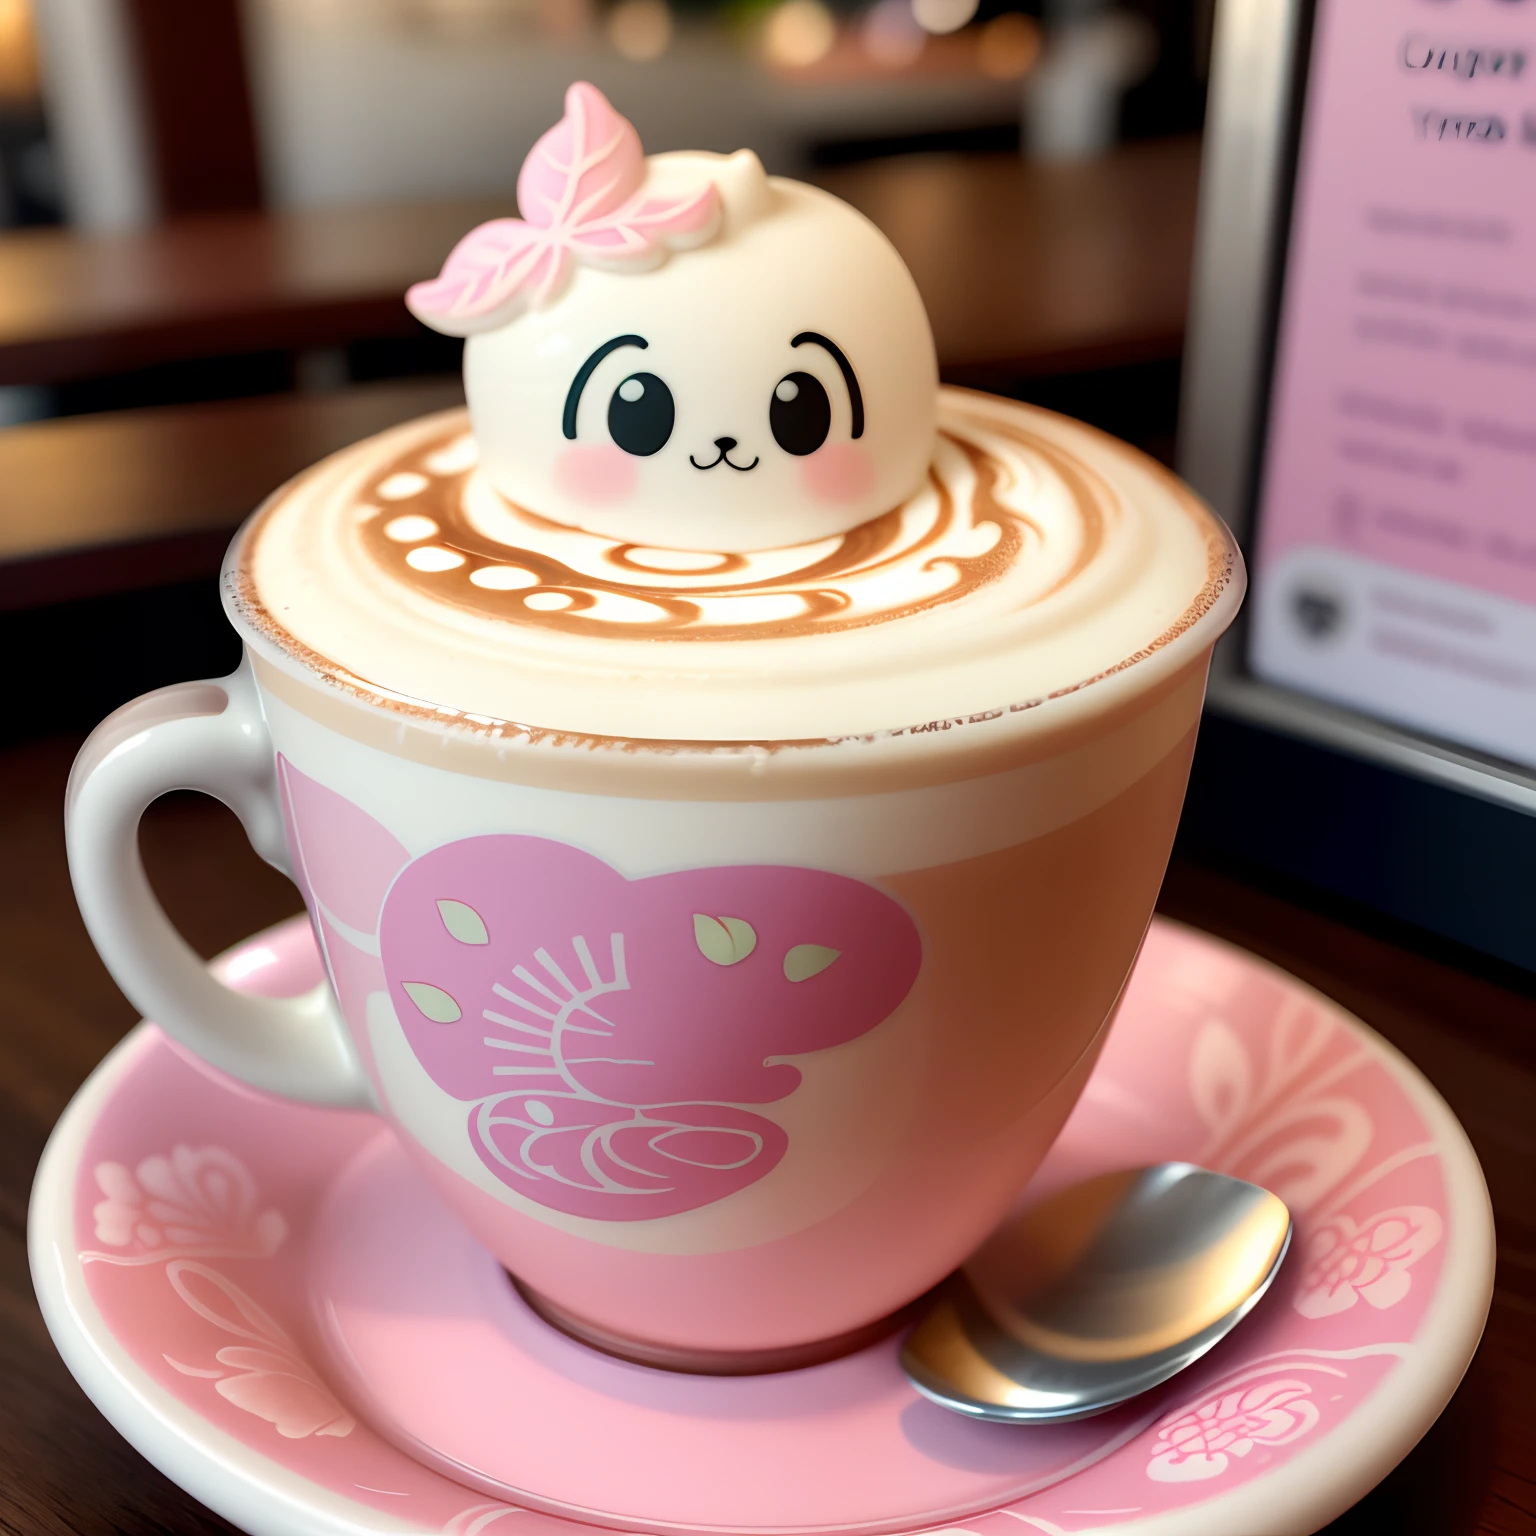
{"type": "Point", "coordinates": [131, 499]}
{"type": "Point", "coordinates": [63, 1470]}
{"type": "Point", "coordinates": [1026, 268]}
{"type": "Point", "coordinates": [76, 305]}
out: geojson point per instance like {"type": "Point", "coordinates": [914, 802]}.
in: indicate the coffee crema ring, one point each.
{"type": "Point", "coordinates": [424, 518]}
{"type": "Point", "coordinates": [1038, 557]}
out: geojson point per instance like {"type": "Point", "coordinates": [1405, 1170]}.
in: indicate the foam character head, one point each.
{"type": "Point", "coordinates": [682, 352]}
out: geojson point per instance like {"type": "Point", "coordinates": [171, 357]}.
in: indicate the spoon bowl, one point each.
{"type": "Point", "coordinates": [1098, 1294]}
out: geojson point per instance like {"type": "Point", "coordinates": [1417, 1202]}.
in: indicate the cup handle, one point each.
{"type": "Point", "coordinates": [211, 737]}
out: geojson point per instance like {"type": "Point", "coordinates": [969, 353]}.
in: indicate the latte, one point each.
{"type": "Point", "coordinates": [1038, 558]}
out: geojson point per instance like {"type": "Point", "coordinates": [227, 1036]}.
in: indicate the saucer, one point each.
{"type": "Point", "coordinates": [224, 1275]}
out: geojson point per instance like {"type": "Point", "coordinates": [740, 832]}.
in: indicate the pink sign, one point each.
{"type": "Point", "coordinates": [1396, 560]}
{"type": "Point", "coordinates": [1404, 420]}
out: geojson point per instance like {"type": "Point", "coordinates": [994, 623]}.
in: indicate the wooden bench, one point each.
{"type": "Point", "coordinates": [1027, 269]}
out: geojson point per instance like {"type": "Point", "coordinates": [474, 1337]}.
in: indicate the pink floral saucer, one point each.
{"type": "Point", "coordinates": [178, 1222]}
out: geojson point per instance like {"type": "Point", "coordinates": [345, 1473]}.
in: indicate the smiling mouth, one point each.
{"type": "Point", "coordinates": [724, 458]}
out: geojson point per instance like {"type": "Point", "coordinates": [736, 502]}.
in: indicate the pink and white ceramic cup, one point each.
{"type": "Point", "coordinates": [727, 1050]}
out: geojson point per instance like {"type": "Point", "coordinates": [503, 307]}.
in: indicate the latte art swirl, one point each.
{"type": "Point", "coordinates": [1038, 557]}
{"type": "Point", "coordinates": [454, 538]}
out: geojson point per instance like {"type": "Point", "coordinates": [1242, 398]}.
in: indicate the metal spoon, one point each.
{"type": "Point", "coordinates": [1102, 1292]}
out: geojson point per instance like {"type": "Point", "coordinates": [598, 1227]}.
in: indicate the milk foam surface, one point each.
{"type": "Point", "coordinates": [1040, 557]}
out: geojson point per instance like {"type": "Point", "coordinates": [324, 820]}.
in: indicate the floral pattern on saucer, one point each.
{"type": "Point", "coordinates": [190, 1226]}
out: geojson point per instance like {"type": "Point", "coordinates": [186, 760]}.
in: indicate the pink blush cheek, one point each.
{"type": "Point", "coordinates": [599, 474]}
{"type": "Point", "coordinates": [840, 472]}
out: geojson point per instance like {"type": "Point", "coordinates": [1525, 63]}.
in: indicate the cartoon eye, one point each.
{"type": "Point", "coordinates": [640, 415]}
{"type": "Point", "coordinates": [800, 413]}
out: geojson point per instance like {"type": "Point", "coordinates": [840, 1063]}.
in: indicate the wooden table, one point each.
{"type": "Point", "coordinates": [63, 1470]}
{"type": "Point", "coordinates": [1026, 269]}
{"type": "Point", "coordinates": [91, 505]}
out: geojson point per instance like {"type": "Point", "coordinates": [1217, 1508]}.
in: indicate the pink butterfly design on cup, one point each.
{"type": "Point", "coordinates": [610, 1035]}
{"type": "Point", "coordinates": [582, 198]}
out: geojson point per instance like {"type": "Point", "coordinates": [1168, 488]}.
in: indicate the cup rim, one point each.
{"type": "Point", "coordinates": [1017, 729]}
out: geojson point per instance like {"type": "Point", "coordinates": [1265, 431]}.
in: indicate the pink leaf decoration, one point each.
{"type": "Point", "coordinates": [628, 235]}
{"type": "Point", "coordinates": [483, 273]}
{"type": "Point", "coordinates": [580, 190]}
{"type": "Point", "coordinates": [587, 166]}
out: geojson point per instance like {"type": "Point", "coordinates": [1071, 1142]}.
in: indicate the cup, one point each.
{"type": "Point", "coordinates": [726, 1051]}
